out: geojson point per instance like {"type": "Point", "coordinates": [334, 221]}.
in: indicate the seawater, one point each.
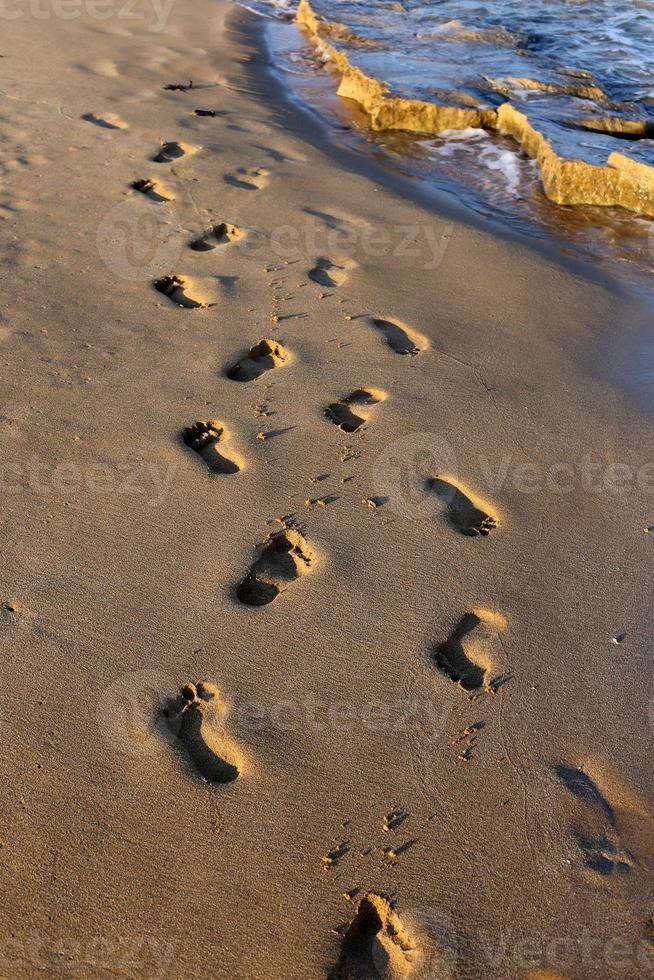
{"type": "Point", "coordinates": [582, 71]}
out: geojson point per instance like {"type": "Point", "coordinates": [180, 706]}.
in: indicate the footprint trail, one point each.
{"type": "Point", "coordinates": [175, 288]}
{"type": "Point", "coordinates": [464, 511]}
{"type": "Point", "coordinates": [283, 557]}
{"type": "Point", "coordinates": [218, 234]}
{"type": "Point", "coordinates": [247, 180]}
{"type": "Point", "coordinates": [330, 272]}
{"type": "Point", "coordinates": [168, 152]}
{"type": "Point", "coordinates": [264, 356]}
{"type": "Point", "coordinates": [152, 189]}
{"type": "Point", "coordinates": [203, 438]}
{"type": "Point", "coordinates": [401, 338]}
{"type": "Point", "coordinates": [467, 656]}
{"type": "Point", "coordinates": [350, 413]}
{"type": "Point", "coordinates": [376, 944]}
{"type": "Point", "coordinates": [192, 717]}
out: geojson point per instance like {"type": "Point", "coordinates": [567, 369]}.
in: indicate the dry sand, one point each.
{"type": "Point", "coordinates": [455, 725]}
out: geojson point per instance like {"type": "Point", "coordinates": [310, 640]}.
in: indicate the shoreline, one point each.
{"type": "Point", "coordinates": [327, 539]}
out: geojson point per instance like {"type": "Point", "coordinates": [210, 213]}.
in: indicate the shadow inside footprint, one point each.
{"type": "Point", "coordinates": [174, 288]}
{"type": "Point", "coordinates": [264, 356]}
{"type": "Point", "coordinates": [342, 413]}
{"type": "Point", "coordinates": [240, 182]}
{"type": "Point", "coordinates": [602, 855]}
{"type": "Point", "coordinates": [246, 180]}
{"type": "Point", "coordinates": [375, 945]}
{"type": "Point", "coordinates": [203, 437]}
{"type": "Point", "coordinates": [171, 151]}
{"type": "Point", "coordinates": [451, 658]}
{"type": "Point", "coordinates": [327, 273]}
{"type": "Point", "coordinates": [218, 234]}
{"type": "Point", "coordinates": [582, 786]}
{"type": "Point", "coordinates": [111, 122]}
{"type": "Point", "coordinates": [599, 842]}
{"type": "Point", "coordinates": [463, 513]}
{"type": "Point", "coordinates": [189, 718]}
{"type": "Point", "coordinates": [400, 338]}
{"type": "Point", "coordinates": [283, 557]}
{"type": "Point", "coordinates": [149, 188]}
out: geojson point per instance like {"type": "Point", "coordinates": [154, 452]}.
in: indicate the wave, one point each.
{"type": "Point", "coordinates": [619, 180]}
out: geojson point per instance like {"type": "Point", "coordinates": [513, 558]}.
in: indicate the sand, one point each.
{"type": "Point", "coordinates": [326, 585]}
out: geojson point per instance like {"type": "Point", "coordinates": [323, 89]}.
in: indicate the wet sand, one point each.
{"type": "Point", "coordinates": [326, 596]}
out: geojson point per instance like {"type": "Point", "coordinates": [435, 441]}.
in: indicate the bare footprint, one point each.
{"type": "Point", "coordinates": [173, 151]}
{"type": "Point", "coordinates": [218, 234]}
{"type": "Point", "coordinates": [469, 670]}
{"type": "Point", "coordinates": [203, 438]}
{"type": "Point", "coordinates": [109, 121]}
{"type": "Point", "coordinates": [465, 511]}
{"type": "Point", "coordinates": [175, 288]}
{"type": "Point", "coordinates": [401, 338]}
{"type": "Point", "coordinates": [192, 717]}
{"type": "Point", "coordinates": [350, 413]}
{"type": "Point", "coordinates": [602, 849]}
{"type": "Point", "coordinates": [247, 180]}
{"type": "Point", "coordinates": [330, 272]}
{"type": "Point", "coordinates": [376, 944]}
{"type": "Point", "coordinates": [178, 86]}
{"type": "Point", "coordinates": [152, 189]}
{"type": "Point", "coordinates": [264, 356]}
{"type": "Point", "coordinates": [282, 558]}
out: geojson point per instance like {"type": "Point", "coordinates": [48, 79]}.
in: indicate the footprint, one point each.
{"type": "Point", "coordinates": [469, 663]}
{"type": "Point", "coordinates": [203, 437]}
{"type": "Point", "coordinates": [376, 944]}
{"type": "Point", "coordinates": [342, 413]}
{"type": "Point", "coordinates": [603, 855]}
{"type": "Point", "coordinates": [110, 121]}
{"type": "Point", "coordinates": [600, 844]}
{"type": "Point", "coordinates": [264, 356]}
{"type": "Point", "coordinates": [173, 151]}
{"type": "Point", "coordinates": [178, 87]}
{"type": "Point", "coordinates": [401, 338]}
{"type": "Point", "coordinates": [219, 234]}
{"type": "Point", "coordinates": [465, 512]}
{"type": "Point", "coordinates": [282, 558]}
{"type": "Point", "coordinates": [174, 287]}
{"type": "Point", "coordinates": [152, 189]}
{"type": "Point", "coordinates": [330, 272]}
{"type": "Point", "coordinates": [247, 180]}
{"type": "Point", "coordinates": [192, 717]}
{"type": "Point", "coordinates": [579, 783]}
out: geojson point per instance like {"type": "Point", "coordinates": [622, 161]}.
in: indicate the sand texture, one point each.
{"type": "Point", "coordinates": [325, 599]}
